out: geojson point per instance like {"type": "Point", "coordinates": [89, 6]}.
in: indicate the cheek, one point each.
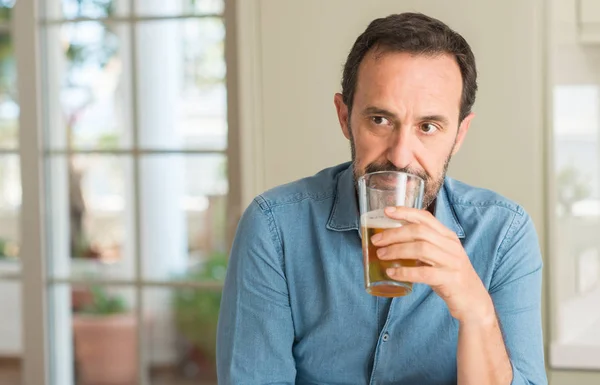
{"type": "Point", "coordinates": [433, 155]}
{"type": "Point", "coordinates": [368, 147]}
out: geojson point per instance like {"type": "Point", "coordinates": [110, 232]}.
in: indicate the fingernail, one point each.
{"type": "Point", "coordinates": [390, 271]}
{"type": "Point", "coordinates": [390, 209]}
{"type": "Point", "coordinates": [376, 238]}
{"type": "Point", "coordinates": [381, 252]}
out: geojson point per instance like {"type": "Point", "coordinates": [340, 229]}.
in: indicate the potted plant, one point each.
{"type": "Point", "coordinates": [105, 336]}
{"type": "Point", "coordinates": [196, 314]}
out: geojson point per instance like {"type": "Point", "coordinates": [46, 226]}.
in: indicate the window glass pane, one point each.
{"type": "Point", "coordinates": [92, 217]}
{"type": "Point", "coordinates": [179, 7]}
{"type": "Point", "coordinates": [576, 131]}
{"type": "Point", "coordinates": [181, 65]}
{"type": "Point", "coordinates": [11, 346]}
{"type": "Point", "coordinates": [6, 9]}
{"type": "Point", "coordinates": [88, 104]}
{"type": "Point", "coordinates": [183, 216]}
{"type": "Point", "coordinates": [576, 266]}
{"type": "Point", "coordinates": [180, 338]}
{"type": "Point", "coordinates": [9, 109]}
{"type": "Point", "coordinates": [95, 9]}
{"type": "Point", "coordinates": [93, 335]}
{"type": "Point", "coordinates": [10, 209]}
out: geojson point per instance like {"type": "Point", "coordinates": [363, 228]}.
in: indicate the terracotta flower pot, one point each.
{"type": "Point", "coordinates": [106, 349]}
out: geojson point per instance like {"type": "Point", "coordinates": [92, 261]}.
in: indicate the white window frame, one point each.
{"type": "Point", "coordinates": [26, 42]}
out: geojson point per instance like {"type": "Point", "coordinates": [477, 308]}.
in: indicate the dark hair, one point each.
{"type": "Point", "coordinates": [413, 33]}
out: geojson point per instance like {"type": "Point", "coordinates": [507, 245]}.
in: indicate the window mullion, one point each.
{"type": "Point", "coordinates": [35, 341]}
{"type": "Point", "coordinates": [130, 19]}
{"type": "Point", "coordinates": [142, 372]}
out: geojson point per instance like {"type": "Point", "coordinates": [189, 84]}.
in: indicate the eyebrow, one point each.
{"type": "Point", "coordinates": [436, 118]}
{"type": "Point", "coordinates": [371, 110]}
{"type": "Point", "coordinates": [379, 111]}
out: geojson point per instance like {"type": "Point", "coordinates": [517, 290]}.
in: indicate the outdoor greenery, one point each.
{"type": "Point", "coordinates": [572, 187]}
{"type": "Point", "coordinates": [8, 249]}
{"type": "Point", "coordinates": [102, 303]}
{"type": "Point", "coordinates": [197, 311]}
{"type": "Point", "coordinates": [8, 89]}
{"type": "Point", "coordinates": [3, 246]}
{"type": "Point", "coordinates": [6, 9]}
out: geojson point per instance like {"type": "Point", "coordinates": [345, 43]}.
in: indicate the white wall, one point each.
{"type": "Point", "coordinates": [291, 58]}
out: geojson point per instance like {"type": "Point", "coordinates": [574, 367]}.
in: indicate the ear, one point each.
{"type": "Point", "coordinates": [463, 128]}
{"type": "Point", "coordinates": [342, 113]}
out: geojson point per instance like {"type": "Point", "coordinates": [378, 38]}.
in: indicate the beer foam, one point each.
{"type": "Point", "coordinates": [378, 219]}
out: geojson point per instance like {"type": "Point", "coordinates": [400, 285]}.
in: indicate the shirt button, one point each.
{"type": "Point", "coordinates": [386, 337]}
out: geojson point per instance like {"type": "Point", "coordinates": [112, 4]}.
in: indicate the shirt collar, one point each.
{"type": "Point", "coordinates": [345, 215]}
{"type": "Point", "coordinates": [444, 211]}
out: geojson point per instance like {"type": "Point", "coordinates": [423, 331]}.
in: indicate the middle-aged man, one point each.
{"type": "Point", "coordinates": [294, 307]}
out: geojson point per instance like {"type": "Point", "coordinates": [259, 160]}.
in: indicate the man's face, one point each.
{"type": "Point", "coordinates": [405, 116]}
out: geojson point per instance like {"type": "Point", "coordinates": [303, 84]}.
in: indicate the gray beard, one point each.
{"type": "Point", "coordinates": [432, 185]}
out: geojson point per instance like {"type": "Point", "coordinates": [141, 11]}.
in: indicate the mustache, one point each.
{"type": "Point", "coordinates": [389, 166]}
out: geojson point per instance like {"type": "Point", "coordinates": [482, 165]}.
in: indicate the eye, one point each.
{"type": "Point", "coordinates": [428, 128]}
{"type": "Point", "coordinates": [380, 121]}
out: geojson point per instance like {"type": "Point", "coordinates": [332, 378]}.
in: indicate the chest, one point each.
{"type": "Point", "coordinates": [344, 335]}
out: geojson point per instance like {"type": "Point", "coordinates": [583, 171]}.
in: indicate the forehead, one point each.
{"type": "Point", "coordinates": [411, 79]}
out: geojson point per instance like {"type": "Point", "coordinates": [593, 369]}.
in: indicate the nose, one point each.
{"type": "Point", "coordinates": [400, 150]}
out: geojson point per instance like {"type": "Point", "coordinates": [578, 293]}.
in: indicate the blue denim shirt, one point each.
{"type": "Point", "coordinates": [294, 307]}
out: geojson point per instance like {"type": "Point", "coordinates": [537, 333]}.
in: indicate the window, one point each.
{"type": "Point", "coordinates": [10, 184]}
{"type": "Point", "coordinates": [575, 195]}
{"type": "Point", "coordinates": [576, 262]}
{"type": "Point", "coordinates": [10, 204]}
{"type": "Point", "coordinates": [137, 189]}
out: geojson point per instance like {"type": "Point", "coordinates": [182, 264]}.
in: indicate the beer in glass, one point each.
{"type": "Point", "coordinates": [377, 191]}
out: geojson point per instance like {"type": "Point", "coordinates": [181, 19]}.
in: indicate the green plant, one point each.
{"type": "Point", "coordinates": [6, 9]}
{"type": "Point", "coordinates": [108, 141]}
{"type": "Point", "coordinates": [103, 303]}
{"type": "Point", "coordinates": [3, 244]}
{"type": "Point", "coordinates": [197, 311]}
{"type": "Point", "coordinates": [8, 249]}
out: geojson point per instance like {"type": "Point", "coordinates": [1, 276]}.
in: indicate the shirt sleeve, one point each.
{"type": "Point", "coordinates": [516, 292]}
{"type": "Point", "coordinates": [255, 331]}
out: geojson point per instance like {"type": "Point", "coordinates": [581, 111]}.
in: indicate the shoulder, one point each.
{"type": "Point", "coordinates": [462, 195]}
{"type": "Point", "coordinates": [319, 187]}
{"type": "Point", "coordinates": [492, 213]}
{"type": "Point", "coordinates": [492, 216]}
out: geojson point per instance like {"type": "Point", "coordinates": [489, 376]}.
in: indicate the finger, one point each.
{"type": "Point", "coordinates": [418, 216]}
{"type": "Point", "coordinates": [421, 274]}
{"type": "Point", "coordinates": [422, 251]}
{"type": "Point", "coordinates": [412, 233]}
